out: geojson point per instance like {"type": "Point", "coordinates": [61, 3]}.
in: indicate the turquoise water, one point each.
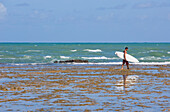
{"type": "Point", "coordinates": [93, 52]}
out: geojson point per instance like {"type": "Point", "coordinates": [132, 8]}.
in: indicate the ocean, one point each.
{"type": "Point", "coordinates": [31, 81]}
{"type": "Point", "coordinates": [95, 53]}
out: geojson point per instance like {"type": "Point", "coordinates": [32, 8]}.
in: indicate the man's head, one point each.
{"type": "Point", "coordinates": [126, 48]}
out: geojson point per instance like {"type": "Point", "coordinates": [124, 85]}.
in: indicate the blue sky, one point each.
{"type": "Point", "coordinates": [85, 20]}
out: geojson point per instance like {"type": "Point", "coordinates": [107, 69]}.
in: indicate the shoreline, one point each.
{"type": "Point", "coordinates": [92, 64]}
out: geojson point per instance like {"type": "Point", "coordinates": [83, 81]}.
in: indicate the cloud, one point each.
{"type": "Point", "coordinates": [151, 5]}
{"type": "Point", "coordinates": [23, 5]}
{"type": "Point", "coordinates": [105, 17]}
{"type": "Point", "coordinates": [164, 4]}
{"type": "Point", "coordinates": [144, 5]}
{"type": "Point", "coordinates": [122, 6]}
{"type": "Point", "coordinates": [41, 14]}
{"type": "Point", "coordinates": [3, 11]}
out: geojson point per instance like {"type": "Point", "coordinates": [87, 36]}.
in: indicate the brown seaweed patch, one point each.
{"type": "Point", "coordinates": [61, 101]}
{"type": "Point", "coordinates": [142, 105]}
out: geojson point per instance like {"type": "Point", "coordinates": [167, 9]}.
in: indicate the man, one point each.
{"type": "Point", "coordinates": [124, 60]}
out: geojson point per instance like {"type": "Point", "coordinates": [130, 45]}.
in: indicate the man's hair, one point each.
{"type": "Point", "coordinates": [126, 47]}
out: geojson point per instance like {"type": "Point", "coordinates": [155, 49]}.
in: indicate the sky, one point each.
{"type": "Point", "coordinates": [84, 20]}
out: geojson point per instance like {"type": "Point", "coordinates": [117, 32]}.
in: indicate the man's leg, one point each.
{"type": "Point", "coordinates": [123, 64]}
{"type": "Point", "coordinates": [127, 63]}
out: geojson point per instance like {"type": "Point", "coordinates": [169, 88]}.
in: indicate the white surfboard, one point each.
{"type": "Point", "coordinates": [128, 57]}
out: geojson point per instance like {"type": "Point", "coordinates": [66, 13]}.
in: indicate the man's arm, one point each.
{"type": "Point", "coordinates": [125, 55]}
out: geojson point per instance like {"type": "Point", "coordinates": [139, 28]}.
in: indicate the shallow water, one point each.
{"type": "Point", "coordinates": [84, 88]}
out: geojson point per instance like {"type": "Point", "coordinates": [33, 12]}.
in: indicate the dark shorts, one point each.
{"type": "Point", "coordinates": [124, 61]}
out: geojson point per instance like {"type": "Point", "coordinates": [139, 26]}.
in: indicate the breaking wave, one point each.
{"type": "Point", "coordinates": [73, 50]}
{"type": "Point", "coordinates": [47, 57]}
{"type": "Point", "coordinates": [150, 58]}
{"type": "Point", "coordinates": [103, 57]}
{"type": "Point", "coordinates": [93, 50]}
{"type": "Point", "coordinates": [33, 51]}
{"type": "Point", "coordinates": [64, 57]}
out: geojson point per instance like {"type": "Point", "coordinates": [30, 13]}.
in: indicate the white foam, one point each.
{"type": "Point", "coordinates": [155, 51]}
{"type": "Point", "coordinates": [103, 57]}
{"type": "Point", "coordinates": [8, 58]}
{"type": "Point", "coordinates": [150, 58]}
{"type": "Point", "coordinates": [91, 50]}
{"type": "Point", "coordinates": [47, 57]}
{"type": "Point", "coordinates": [27, 57]}
{"type": "Point", "coordinates": [73, 50]}
{"type": "Point", "coordinates": [64, 57]}
{"type": "Point", "coordinates": [20, 64]}
{"type": "Point", "coordinates": [4, 51]}
{"type": "Point", "coordinates": [33, 51]}
{"type": "Point", "coordinates": [102, 63]}
{"type": "Point", "coordinates": [119, 63]}
{"type": "Point", "coordinates": [168, 52]}
{"type": "Point", "coordinates": [152, 63]}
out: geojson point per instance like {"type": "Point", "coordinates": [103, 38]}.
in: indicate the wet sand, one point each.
{"type": "Point", "coordinates": [84, 88]}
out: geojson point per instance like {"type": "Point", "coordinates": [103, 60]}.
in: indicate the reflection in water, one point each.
{"type": "Point", "coordinates": [127, 82]}
{"type": "Point", "coordinates": [124, 82]}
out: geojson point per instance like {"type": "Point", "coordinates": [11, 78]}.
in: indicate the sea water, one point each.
{"type": "Point", "coordinates": [95, 53]}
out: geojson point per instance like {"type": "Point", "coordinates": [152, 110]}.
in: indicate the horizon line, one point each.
{"type": "Point", "coordinates": [84, 42]}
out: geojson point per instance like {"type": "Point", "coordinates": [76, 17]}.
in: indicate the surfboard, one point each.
{"type": "Point", "coordinates": [128, 57]}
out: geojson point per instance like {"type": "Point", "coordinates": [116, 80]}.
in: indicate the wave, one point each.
{"type": "Point", "coordinates": [33, 51]}
{"type": "Point", "coordinates": [150, 51]}
{"type": "Point", "coordinates": [168, 52]}
{"type": "Point", "coordinates": [47, 57]}
{"type": "Point", "coordinates": [8, 58]}
{"type": "Point", "coordinates": [73, 50]}
{"type": "Point", "coordinates": [119, 63]}
{"type": "Point", "coordinates": [156, 51]}
{"type": "Point", "coordinates": [103, 63]}
{"type": "Point", "coordinates": [4, 51]}
{"type": "Point", "coordinates": [26, 57]}
{"type": "Point", "coordinates": [103, 57]}
{"type": "Point", "coordinates": [64, 57]}
{"type": "Point", "coordinates": [22, 64]}
{"type": "Point", "coordinates": [91, 50]}
{"type": "Point", "coordinates": [150, 58]}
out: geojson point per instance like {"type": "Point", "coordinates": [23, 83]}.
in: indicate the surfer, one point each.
{"type": "Point", "coordinates": [124, 60]}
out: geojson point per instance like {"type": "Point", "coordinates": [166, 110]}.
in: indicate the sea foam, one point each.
{"type": "Point", "coordinates": [150, 58]}
{"type": "Point", "coordinates": [8, 58]}
{"type": "Point", "coordinates": [103, 57]}
{"type": "Point", "coordinates": [64, 57]}
{"type": "Point", "coordinates": [73, 50]}
{"type": "Point", "coordinates": [33, 51]}
{"type": "Point", "coordinates": [47, 57]}
{"type": "Point", "coordinates": [93, 50]}
{"type": "Point", "coordinates": [119, 63]}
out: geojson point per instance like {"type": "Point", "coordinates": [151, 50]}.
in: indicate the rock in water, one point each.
{"type": "Point", "coordinates": [72, 61]}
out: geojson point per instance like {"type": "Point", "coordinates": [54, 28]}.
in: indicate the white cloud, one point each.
{"type": "Point", "coordinates": [3, 11]}
{"type": "Point", "coordinates": [144, 5]}
{"type": "Point", "coordinates": [105, 17]}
